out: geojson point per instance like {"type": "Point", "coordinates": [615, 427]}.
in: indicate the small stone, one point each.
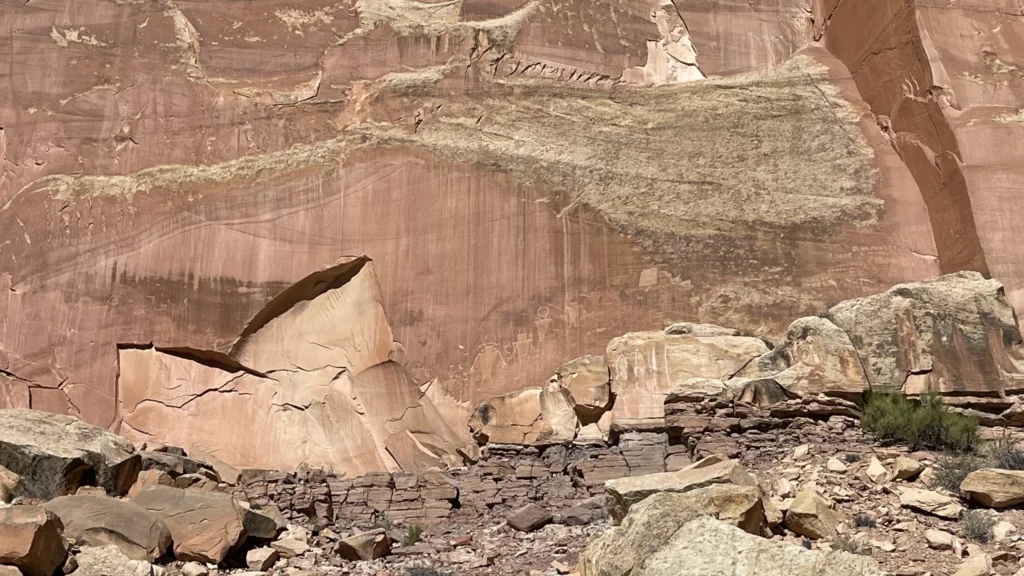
{"type": "Point", "coordinates": [461, 540]}
{"type": "Point", "coordinates": [979, 565]}
{"type": "Point", "coordinates": [883, 545]}
{"type": "Point", "coordinates": [939, 540]}
{"type": "Point", "coordinates": [529, 518]}
{"type": "Point", "coordinates": [560, 568]}
{"type": "Point", "coordinates": [835, 465]}
{"type": "Point", "coordinates": [801, 452]}
{"type": "Point", "coordinates": [290, 547]}
{"type": "Point", "coordinates": [194, 569]}
{"type": "Point", "coordinates": [907, 468]}
{"type": "Point", "coordinates": [784, 488]}
{"type": "Point", "coordinates": [930, 502]}
{"type": "Point", "coordinates": [876, 472]}
{"type": "Point", "coordinates": [261, 559]}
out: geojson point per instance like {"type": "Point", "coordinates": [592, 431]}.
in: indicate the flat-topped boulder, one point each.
{"type": "Point", "coordinates": [101, 521]}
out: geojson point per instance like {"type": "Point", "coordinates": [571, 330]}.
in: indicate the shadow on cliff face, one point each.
{"type": "Point", "coordinates": [310, 380]}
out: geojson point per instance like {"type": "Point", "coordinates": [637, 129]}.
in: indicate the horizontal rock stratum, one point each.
{"type": "Point", "coordinates": [183, 186]}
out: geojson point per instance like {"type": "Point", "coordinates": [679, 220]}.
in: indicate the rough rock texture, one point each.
{"type": "Point", "coordinates": [811, 515]}
{"type": "Point", "coordinates": [930, 502]}
{"type": "Point", "coordinates": [651, 524]}
{"type": "Point", "coordinates": [953, 334]}
{"type": "Point", "coordinates": [30, 538]}
{"type": "Point", "coordinates": [102, 521]}
{"type": "Point", "coordinates": [365, 546]}
{"type": "Point", "coordinates": [109, 561]}
{"type": "Point", "coordinates": [55, 454]}
{"type": "Point", "coordinates": [646, 366]}
{"type": "Point", "coordinates": [706, 546]}
{"type": "Point", "coordinates": [204, 526]}
{"type": "Point", "coordinates": [994, 488]}
{"type": "Point", "coordinates": [364, 127]}
{"type": "Point", "coordinates": [624, 493]}
{"type": "Point", "coordinates": [587, 381]}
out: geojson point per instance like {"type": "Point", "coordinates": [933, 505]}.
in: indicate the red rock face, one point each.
{"type": "Point", "coordinates": [170, 168]}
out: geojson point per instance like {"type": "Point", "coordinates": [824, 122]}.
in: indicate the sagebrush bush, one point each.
{"type": "Point", "coordinates": [1005, 454]}
{"type": "Point", "coordinates": [950, 471]}
{"type": "Point", "coordinates": [850, 545]}
{"type": "Point", "coordinates": [927, 424]}
{"type": "Point", "coordinates": [977, 525]}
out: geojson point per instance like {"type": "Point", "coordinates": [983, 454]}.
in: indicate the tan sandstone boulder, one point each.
{"type": "Point", "coordinates": [533, 416]}
{"type": "Point", "coordinates": [204, 526]}
{"type": "Point", "coordinates": [705, 546]}
{"type": "Point", "coordinates": [812, 516]}
{"type": "Point", "coordinates": [623, 493]}
{"type": "Point", "coordinates": [587, 382]}
{"type": "Point", "coordinates": [8, 481]}
{"type": "Point", "coordinates": [102, 521]}
{"type": "Point", "coordinates": [651, 524]}
{"type": "Point", "coordinates": [365, 546]}
{"type": "Point", "coordinates": [646, 366]}
{"type": "Point", "coordinates": [994, 488]}
{"type": "Point", "coordinates": [817, 357]}
{"type": "Point", "coordinates": [109, 561]}
{"type": "Point", "coordinates": [956, 333]}
{"type": "Point", "coordinates": [930, 502]}
{"type": "Point", "coordinates": [53, 453]}
{"type": "Point", "coordinates": [30, 538]}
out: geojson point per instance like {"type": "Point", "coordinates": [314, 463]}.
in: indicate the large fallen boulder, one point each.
{"type": "Point", "coordinates": [587, 382]}
{"type": "Point", "coordinates": [101, 521]}
{"type": "Point", "coordinates": [365, 546]}
{"type": "Point", "coordinates": [652, 523]}
{"type": "Point", "coordinates": [205, 526]}
{"type": "Point", "coordinates": [955, 333]}
{"type": "Point", "coordinates": [532, 416]}
{"type": "Point", "coordinates": [817, 357]}
{"type": "Point", "coordinates": [623, 493]}
{"type": "Point", "coordinates": [30, 538]}
{"type": "Point", "coordinates": [994, 488]}
{"type": "Point", "coordinates": [705, 546]}
{"type": "Point", "coordinates": [646, 366]}
{"type": "Point", "coordinates": [55, 454]}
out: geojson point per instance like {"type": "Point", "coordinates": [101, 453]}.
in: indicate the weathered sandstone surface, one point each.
{"type": "Point", "coordinates": [347, 224]}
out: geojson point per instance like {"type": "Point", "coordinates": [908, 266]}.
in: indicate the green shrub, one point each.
{"type": "Point", "coordinates": [852, 458]}
{"type": "Point", "coordinates": [928, 424]}
{"type": "Point", "coordinates": [381, 521]}
{"type": "Point", "coordinates": [412, 535]}
{"type": "Point", "coordinates": [950, 471]}
{"type": "Point", "coordinates": [864, 521]}
{"type": "Point", "coordinates": [977, 525]}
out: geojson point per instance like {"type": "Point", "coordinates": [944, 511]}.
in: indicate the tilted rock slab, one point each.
{"type": "Point", "coordinates": [54, 454]}
{"type": "Point", "coordinates": [204, 526]}
{"type": "Point", "coordinates": [994, 488]}
{"type": "Point", "coordinates": [812, 516]}
{"type": "Point", "coordinates": [102, 521]}
{"type": "Point", "coordinates": [651, 524]}
{"type": "Point", "coordinates": [930, 502]}
{"type": "Point", "coordinates": [624, 493]}
{"type": "Point", "coordinates": [30, 538]}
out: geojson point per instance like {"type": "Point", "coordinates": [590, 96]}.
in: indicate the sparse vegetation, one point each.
{"type": "Point", "coordinates": [864, 521]}
{"type": "Point", "coordinates": [382, 521]}
{"type": "Point", "coordinates": [927, 424]}
{"type": "Point", "coordinates": [1005, 454]}
{"type": "Point", "coordinates": [850, 545]}
{"type": "Point", "coordinates": [425, 571]}
{"type": "Point", "coordinates": [412, 535]}
{"type": "Point", "coordinates": [852, 458]}
{"type": "Point", "coordinates": [977, 525]}
{"type": "Point", "coordinates": [950, 471]}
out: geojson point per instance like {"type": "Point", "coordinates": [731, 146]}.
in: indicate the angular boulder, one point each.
{"type": "Point", "coordinates": [811, 515]}
{"type": "Point", "coordinates": [706, 546]}
{"type": "Point", "coordinates": [587, 382]}
{"type": "Point", "coordinates": [994, 488]}
{"type": "Point", "coordinates": [365, 546]}
{"type": "Point", "coordinates": [646, 366]}
{"type": "Point", "coordinates": [204, 526]}
{"type": "Point", "coordinates": [149, 478]}
{"type": "Point", "coordinates": [930, 502]}
{"type": "Point", "coordinates": [955, 333]}
{"type": "Point", "coordinates": [54, 454]}
{"type": "Point", "coordinates": [623, 493]}
{"type": "Point", "coordinates": [652, 523]}
{"type": "Point", "coordinates": [817, 357]}
{"type": "Point", "coordinates": [101, 521]}
{"type": "Point", "coordinates": [30, 538]}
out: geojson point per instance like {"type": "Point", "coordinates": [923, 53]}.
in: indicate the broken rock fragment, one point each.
{"type": "Point", "coordinates": [365, 546]}
{"type": "Point", "coordinates": [586, 380]}
{"type": "Point", "coordinates": [812, 516]}
{"type": "Point", "coordinates": [930, 502]}
{"type": "Point", "coordinates": [31, 540]}
{"type": "Point", "coordinates": [54, 454]}
{"type": "Point", "coordinates": [529, 518]}
{"type": "Point", "coordinates": [994, 488]}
